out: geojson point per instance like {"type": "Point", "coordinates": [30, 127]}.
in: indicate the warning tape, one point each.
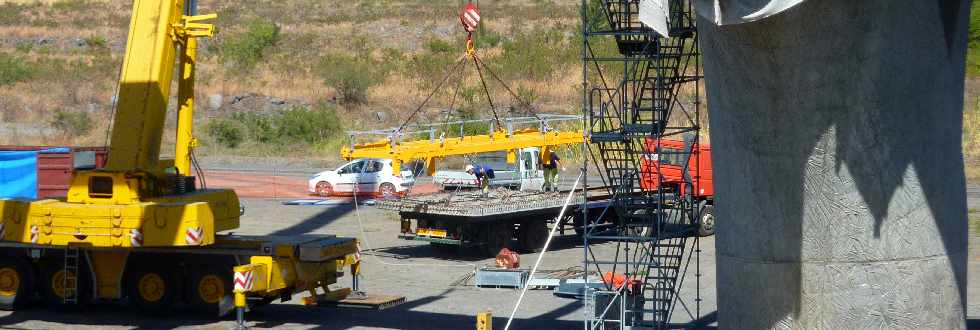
{"type": "Point", "coordinates": [243, 281]}
{"type": "Point", "coordinates": [34, 234]}
{"type": "Point", "coordinates": [193, 236]}
{"type": "Point", "coordinates": [136, 238]}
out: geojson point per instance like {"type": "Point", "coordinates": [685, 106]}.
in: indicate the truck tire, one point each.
{"type": "Point", "coordinates": [207, 286]}
{"type": "Point", "coordinates": [706, 222]}
{"type": "Point", "coordinates": [152, 287]}
{"type": "Point", "coordinates": [578, 226]}
{"type": "Point", "coordinates": [16, 282]}
{"type": "Point", "coordinates": [496, 237]}
{"type": "Point", "coordinates": [52, 282]}
{"type": "Point", "coordinates": [532, 235]}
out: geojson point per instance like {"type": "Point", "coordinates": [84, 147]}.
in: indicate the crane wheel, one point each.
{"type": "Point", "coordinates": [207, 287]}
{"type": "Point", "coordinates": [53, 283]}
{"type": "Point", "coordinates": [533, 234]}
{"type": "Point", "coordinates": [16, 282]}
{"type": "Point", "coordinates": [151, 289]}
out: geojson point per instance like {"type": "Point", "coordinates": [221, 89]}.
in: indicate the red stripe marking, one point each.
{"type": "Point", "coordinates": [193, 235]}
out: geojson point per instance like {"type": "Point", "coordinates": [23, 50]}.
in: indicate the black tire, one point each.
{"type": "Point", "coordinates": [207, 286]}
{"type": "Point", "coordinates": [160, 288]}
{"type": "Point", "coordinates": [578, 225]}
{"type": "Point", "coordinates": [17, 279]}
{"type": "Point", "coordinates": [51, 282]}
{"type": "Point", "coordinates": [706, 221]}
{"type": "Point", "coordinates": [532, 235]}
{"type": "Point", "coordinates": [496, 237]}
{"type": "Point", "coordinates": [324, 189]}
{"type": "Point", "coordinates": [642, 227]}
{"type": "Point", "coordinates": [387, 190]}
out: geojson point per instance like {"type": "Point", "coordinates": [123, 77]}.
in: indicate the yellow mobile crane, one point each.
{"type": "Point", "coordinates": [139, 229]}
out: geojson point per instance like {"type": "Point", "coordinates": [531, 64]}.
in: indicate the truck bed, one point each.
{"type": "Point", "coordinates": [460, 179]}
{"type": "Point", "coordinates": [502, 204]}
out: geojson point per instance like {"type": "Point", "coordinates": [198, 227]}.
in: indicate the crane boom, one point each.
{"type": "Point", "coordinates": [144, 86]}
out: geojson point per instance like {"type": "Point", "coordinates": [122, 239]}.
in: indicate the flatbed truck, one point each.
{"type": "Point", "coordinates": [455, 219]}
{"type": "Point", "coordinates": [467, 221]}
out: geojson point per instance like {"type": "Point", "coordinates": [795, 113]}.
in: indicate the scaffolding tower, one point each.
{"type": "Point", "coordinates": [636, 94]}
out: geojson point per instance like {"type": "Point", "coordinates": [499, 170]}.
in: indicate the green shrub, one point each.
{"type": "Point", "coordinates": [430, 68]}
{"type": "Point", "coordinates": [95, 42]}
{"type": "Point", "coordinates": [69, 5]}
{"type": "Point", "coordinates": [245, 51]}
{"type": "Point", "coordinates": [260, 127]}
{"type": "Point", "coordinates": [469, 129]}
{"type": "Point", "coordinates": [487, 39]}
{"type": "Point", "coordinates": [973, 38]}
{"type": "Point", "coordinates": [71, 123]}
{"type": "Point", "coordinates": [350, 76]}
{"type": "Point", "coordinates": [24, 47]}
{"type": "Point", "coordinates": [14, 69]}
{"type": "Point", "coordinates": [297, 125]}
{"type": "Point", "coordinates": [437, 45]}
{"type": "Point", "coordinates": [535, 55]}
{"type": "Point", "coordinates": [226, 132]}
{"type": "Point", "coordinates": [301, 124]}
{"type": "Point", "coordinates": [527, 96]}
{"type": "Point", "coordinates": [11, 13]}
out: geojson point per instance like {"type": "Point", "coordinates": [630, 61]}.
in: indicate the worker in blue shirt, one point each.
{"type": "Point", "coordinates": [484, 174]}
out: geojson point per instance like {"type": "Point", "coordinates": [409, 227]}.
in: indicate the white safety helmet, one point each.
{"type": "Point", "coordinates": [469, 168]}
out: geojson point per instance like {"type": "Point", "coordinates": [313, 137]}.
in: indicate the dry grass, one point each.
{"type": "Point", "coordinates": [48, 30]}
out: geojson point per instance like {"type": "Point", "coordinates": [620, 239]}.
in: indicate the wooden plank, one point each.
{"type": "Point", "coordinates": [378, 302]}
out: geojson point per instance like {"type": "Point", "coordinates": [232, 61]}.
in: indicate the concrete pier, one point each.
{"type": "Point", "coordinates": [836, 131]}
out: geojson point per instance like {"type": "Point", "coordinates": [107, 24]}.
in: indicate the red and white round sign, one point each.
{"type": "Point", "coordinates": [470, 17]}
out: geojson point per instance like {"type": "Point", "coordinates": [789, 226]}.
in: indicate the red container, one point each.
{"type": "Point", "coordinates": [55, 169]}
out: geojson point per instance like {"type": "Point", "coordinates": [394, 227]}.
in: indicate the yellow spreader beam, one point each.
{"type": "Point", "coordinates": [434, 149]}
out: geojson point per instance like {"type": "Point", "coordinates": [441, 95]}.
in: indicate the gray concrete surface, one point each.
{"type": "Point", "coordinates": [391, 266]}
{"type": "Point", "coordinates": [411, 269]}
{"type": "Point", "coordinates": [836, 128]}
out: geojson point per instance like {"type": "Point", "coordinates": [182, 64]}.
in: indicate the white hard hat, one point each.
{"type": "Point", "coordinates": [469, 168]}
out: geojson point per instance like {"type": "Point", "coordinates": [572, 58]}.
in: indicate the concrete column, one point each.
{"type": "Point", "coordinates": [836, 133]}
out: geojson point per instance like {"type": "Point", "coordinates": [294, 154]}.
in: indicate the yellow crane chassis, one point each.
{"type": "Point", "coordinates": [235, 271]}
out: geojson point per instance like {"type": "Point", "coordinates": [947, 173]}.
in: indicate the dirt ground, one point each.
{"type": "Point", "coordinates": [425, 276]}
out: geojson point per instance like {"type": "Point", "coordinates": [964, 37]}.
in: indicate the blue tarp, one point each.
{"type": "Point", "coordinates": [18, 174]}
{"type": "Point", "coordinates": [59, 150]}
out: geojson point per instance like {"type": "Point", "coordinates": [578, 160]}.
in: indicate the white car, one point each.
{"type": "Point", "coordinates": [365, 176]}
